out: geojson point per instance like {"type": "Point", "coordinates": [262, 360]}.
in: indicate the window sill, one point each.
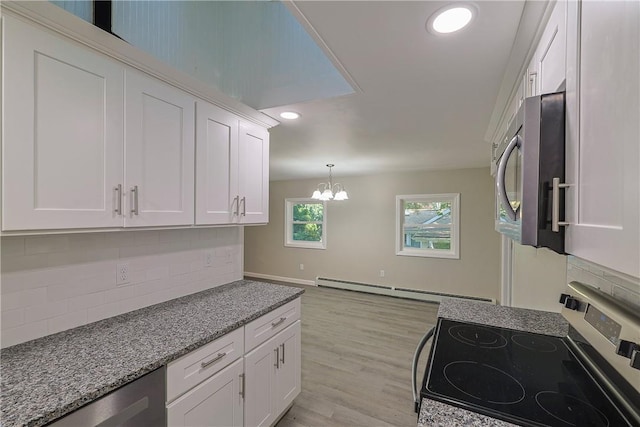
{"type": "Point", "coordinates": [429, 254]}
{"type": "Point", "coordinates": [305, 245]}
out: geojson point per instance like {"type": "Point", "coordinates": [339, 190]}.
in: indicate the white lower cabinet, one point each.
{"type": "Point", "coordinates": [272, 377]}
{"type": "Point", "coordinates": [214, 385]}
{"type": "Point", "coordinates": [218, 401]}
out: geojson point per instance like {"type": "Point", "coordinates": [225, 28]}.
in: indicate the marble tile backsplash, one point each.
{"type": "Point", "coordinates": [52, 283]}
{"type": "Point", "coordinates": [619, 285]}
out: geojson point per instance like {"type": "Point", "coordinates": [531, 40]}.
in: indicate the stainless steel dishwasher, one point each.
{"type": "Point", "coordinates": [139, 403]}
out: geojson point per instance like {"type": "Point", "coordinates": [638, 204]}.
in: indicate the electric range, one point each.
{"type": "Point", "coordinates": [538, 380]}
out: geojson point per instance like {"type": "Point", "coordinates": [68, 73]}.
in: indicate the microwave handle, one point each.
{"type": "Point", "coordinates": [500, 180]}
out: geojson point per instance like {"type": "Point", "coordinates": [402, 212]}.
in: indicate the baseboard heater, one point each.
{"type": "Point", "coordinates": [393, 291]}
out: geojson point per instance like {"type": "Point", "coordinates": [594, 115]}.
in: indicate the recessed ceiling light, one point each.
{"type": "Point", "coordinates": [289, 115]}
{"type": "Point", "coordinates": [451, 18]}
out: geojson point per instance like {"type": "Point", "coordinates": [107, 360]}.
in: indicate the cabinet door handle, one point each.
{"type": "Point", "coordinates": [212, 361]}
{"type": "Point", "coordinates": [282, 359]}
{"type": "Point", "coordinates": [533, 77]}
{"type": "Point", "coordinates": [134, 195]}
{"type": "Point", "coordinates": [118, 190]}
{"type": "Point", "coordinates": [244, 206]}
{"type": "Point", "coordinates": [242, 385]}
{"type": "Point", "coordinates": [277, 351]}
{"type": "Point", "coordinates": [236, 201]}
{"type": "Point", "coordinates": [278, 323]}
{"type": "Point", "coordinates": [555, 205]}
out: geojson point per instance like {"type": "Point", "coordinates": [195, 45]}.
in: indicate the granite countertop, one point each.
{"type": "Point", "coordinates": [437, 414]}
{"type": "Point", "coordinates": [47, 378]}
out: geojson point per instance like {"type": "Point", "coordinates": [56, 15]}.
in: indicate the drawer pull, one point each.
{"type": "Point", "coordinates": [212, 361]}
{"type": "Point", "coordinates": [279, 322]}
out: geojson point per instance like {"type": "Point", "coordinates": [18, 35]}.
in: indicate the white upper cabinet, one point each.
{"type": "Point", "coordinates": [217, 197]}
{"type": "Point", "coordinates": [547, 68]}
{"type": "Point", "coordinates": [232, 169]}
{"type": "Point", "coordinates": [253, 174]}
{"type": "Point", "coordinates": [550, 56]}
{"type": "Point", "coordinates": [603, 154]}
{"type": "Point", "coordinates": [159, 153]}
{"type": "Point", "coordinates": [63, 125]}
{"type": "Point", "coordinates": [91, 142]}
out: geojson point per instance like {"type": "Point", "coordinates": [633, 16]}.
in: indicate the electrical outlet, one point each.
{"type": "Point", "coordinates": [208, 259]}
{"type": "Point", "coordinates": [301, 266]}
{"type": "Point", "coordinates": [122, 273]}
{"type": "Point", "coordinates": [381, 273]}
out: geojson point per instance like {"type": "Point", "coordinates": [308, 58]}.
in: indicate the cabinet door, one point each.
{"type": "Point", "coordinates": [551, 51]}
{"type": "Point", "coordinates": [160, 150]}
{"type": "Point", "coordinates": [217, 197]}
{"type": "Point", "coordinates": [253, 173]}
{"type": "Point", "coordinates": [215, 402]}
{"type": "Point", "coordinates": [603, 153]}
{"type": "Point", "coordinates": [289, 371]}
{"type": "Point", "coordinates": [260, 371]}
{"type": "Point", "coordinates": [63, 126]}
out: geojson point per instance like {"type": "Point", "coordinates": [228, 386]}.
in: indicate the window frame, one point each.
{"type": "Point", "coordinates": [454, 251]}
{"type": "Point", "coordinates": [288, 224]}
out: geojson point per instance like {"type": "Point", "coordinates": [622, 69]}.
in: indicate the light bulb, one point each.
{"type": "Point", "coordinates": [341, 195]}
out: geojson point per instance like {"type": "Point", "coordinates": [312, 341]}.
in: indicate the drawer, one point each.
{"type": "Point", "coordinates": [195, 367]}
{"type": "Point", "coordinates": [263, 328]}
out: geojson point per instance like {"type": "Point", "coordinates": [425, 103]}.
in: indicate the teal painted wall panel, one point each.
{"type": "Point", "coordinates": [254, 51]}
{"type": "Point", "coordinates": [80, 8]}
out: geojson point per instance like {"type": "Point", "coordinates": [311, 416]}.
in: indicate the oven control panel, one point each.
{"type": "Point", "coordinates": [611, 327]}
{"type": "Point", "coordinates": [608, 327]}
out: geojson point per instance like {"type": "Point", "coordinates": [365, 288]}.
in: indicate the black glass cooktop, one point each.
{"type": "Point", "coordinates": [524, 378]}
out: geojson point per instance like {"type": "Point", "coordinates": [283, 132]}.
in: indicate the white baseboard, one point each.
{"type": "Point", "coordinates": [281, 279]}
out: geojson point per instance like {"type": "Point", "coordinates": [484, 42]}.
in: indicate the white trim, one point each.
{"type": "Point", "coordinates": [58, 20]}
{"type": "Point", "coordinates": [533, 21]}
{"type": "Point", "coordinates": [506, 276]}
{"type": "Point", "coordinates": [280, 278]}
{"type": "Point", "coordinates": [288, 222]}
{"type": "Point", "coordinates": [454, 252]}
{"type": "Point", "coordinates": [41, 232]}
{"type": "Point", "coordinates": [297, 13]}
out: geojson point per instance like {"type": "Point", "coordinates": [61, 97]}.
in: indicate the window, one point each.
{"type": "Point", "coordinates": [305, 223]}
{"type": "Point", "coordinates": [428, 225]}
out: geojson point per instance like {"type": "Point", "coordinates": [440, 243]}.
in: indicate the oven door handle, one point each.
{"type": "Point", "coordinates": [501, 178]}
{"type": "Point", "coordinates": [414, 368]}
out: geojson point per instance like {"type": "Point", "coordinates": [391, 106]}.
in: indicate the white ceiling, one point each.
{"type": "Point", "coordinates": [421, 101]}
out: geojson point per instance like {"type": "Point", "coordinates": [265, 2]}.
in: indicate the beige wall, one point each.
{"type": "Point", "coordinates": [539, 277]}
{"type": "Point", "coordinates": [361, 235]}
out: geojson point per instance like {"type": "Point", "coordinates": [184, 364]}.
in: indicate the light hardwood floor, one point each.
{"type": "Point", "coordinates": [356, 359]}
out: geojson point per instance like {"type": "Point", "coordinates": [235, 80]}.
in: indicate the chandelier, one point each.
{"type": "Point", "coordinates": [329, 190]}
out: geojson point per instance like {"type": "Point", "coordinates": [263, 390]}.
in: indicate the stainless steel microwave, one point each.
{"type": "Point", "coordinates": [530, 174]}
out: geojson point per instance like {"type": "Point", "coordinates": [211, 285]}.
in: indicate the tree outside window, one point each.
{"type": "Point", "coordinates": [305, 223]}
